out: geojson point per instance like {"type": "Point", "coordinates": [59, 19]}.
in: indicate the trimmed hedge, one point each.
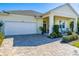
{"type": "Point", "coordinates": [69, 33]}
{"type": "Point", "coordinates": [70, 38]}
{"type": "Point", "coordinates": [1, 38]}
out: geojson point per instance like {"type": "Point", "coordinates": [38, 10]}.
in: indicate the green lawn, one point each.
{"type": "Point", "coordinates": [76, 44]}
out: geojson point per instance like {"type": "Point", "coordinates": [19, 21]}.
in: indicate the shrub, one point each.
{"type": "Point", "coordinates": [56, 28]}
{"type": "Point", "coordinates": [59, 35]}
{"type": "Point", "coordinates": [1, 24]}
{"type": "Point", "coordinates": [52, 35]}
{"type": "Point", "coordinates": [55, 35]}
{"type": "Point", "coordinates": [70, 38]}
{"type": "Point", "coordinates": [71, 25]}
{"type": "Point", "coordinates": [77, 32]}
{"type": "Point", "coordinates": [75, 36]}
{"type": "Point", "coordinates": [1, 38]}
{"type": "Point", "coordinates": [69, 33]}
{"type": "Point", "coordinates": [49, 36]}
{"type": "Point", "coordinates": [42, 29]}
{"type": "Point", "coordinates": [65, 39]}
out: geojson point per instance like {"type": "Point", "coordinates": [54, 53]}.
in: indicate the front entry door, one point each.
{"type": "Point", "coordinates": [44, 26]}
{"type": "Point", "coordinates": [62, 26]}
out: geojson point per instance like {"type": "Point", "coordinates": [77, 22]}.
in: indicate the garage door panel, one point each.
{"type": "Point", "coordinates": [19, 28]}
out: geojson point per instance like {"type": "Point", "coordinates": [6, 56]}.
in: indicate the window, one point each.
{"type": "Point", "coordinates": [61, 24]}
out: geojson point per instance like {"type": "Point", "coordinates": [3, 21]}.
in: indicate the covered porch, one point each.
{"type": "Point", "coordinates": [61, 15]}
{"type": "Point", "coordinates": [63, 22]}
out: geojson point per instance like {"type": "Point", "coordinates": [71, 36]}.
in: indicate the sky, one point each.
{"type": "Point", "coordinates": [40, 7]}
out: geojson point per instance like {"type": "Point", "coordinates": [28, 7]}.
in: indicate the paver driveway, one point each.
{"type": "Point", "coordinates": [54, 48]}
{"type": "Point", "coordinates": [31, 40]}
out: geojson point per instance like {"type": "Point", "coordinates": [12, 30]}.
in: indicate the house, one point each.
{"type": "Point", "coordinates": [62, 15]}
{"type": "Point", "coordinates": [20, 22]}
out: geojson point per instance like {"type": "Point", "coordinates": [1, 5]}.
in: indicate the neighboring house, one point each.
{"type": "Point", "coordinates": [22, 22]}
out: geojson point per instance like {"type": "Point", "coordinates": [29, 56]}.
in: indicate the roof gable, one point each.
{"type": "Point", "coordinates": [65, 9]}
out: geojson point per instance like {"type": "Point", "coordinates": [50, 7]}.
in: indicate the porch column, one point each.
{"type": "Point", "coordinates": [51, 22]}
{"type": "Point", "coordinates": [75, 24]}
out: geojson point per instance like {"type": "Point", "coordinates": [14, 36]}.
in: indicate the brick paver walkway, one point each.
{"type": "Point", "coordinates": [50, 49]}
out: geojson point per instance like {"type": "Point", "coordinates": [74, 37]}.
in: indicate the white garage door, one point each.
{"type": "Point", "coordinates": [19, 28]}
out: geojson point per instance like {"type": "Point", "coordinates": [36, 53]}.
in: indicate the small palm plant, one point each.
{"type": "Point", "coordinates": [41, 29]}
{"type": "Point", "coordinates": [1, 24]}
